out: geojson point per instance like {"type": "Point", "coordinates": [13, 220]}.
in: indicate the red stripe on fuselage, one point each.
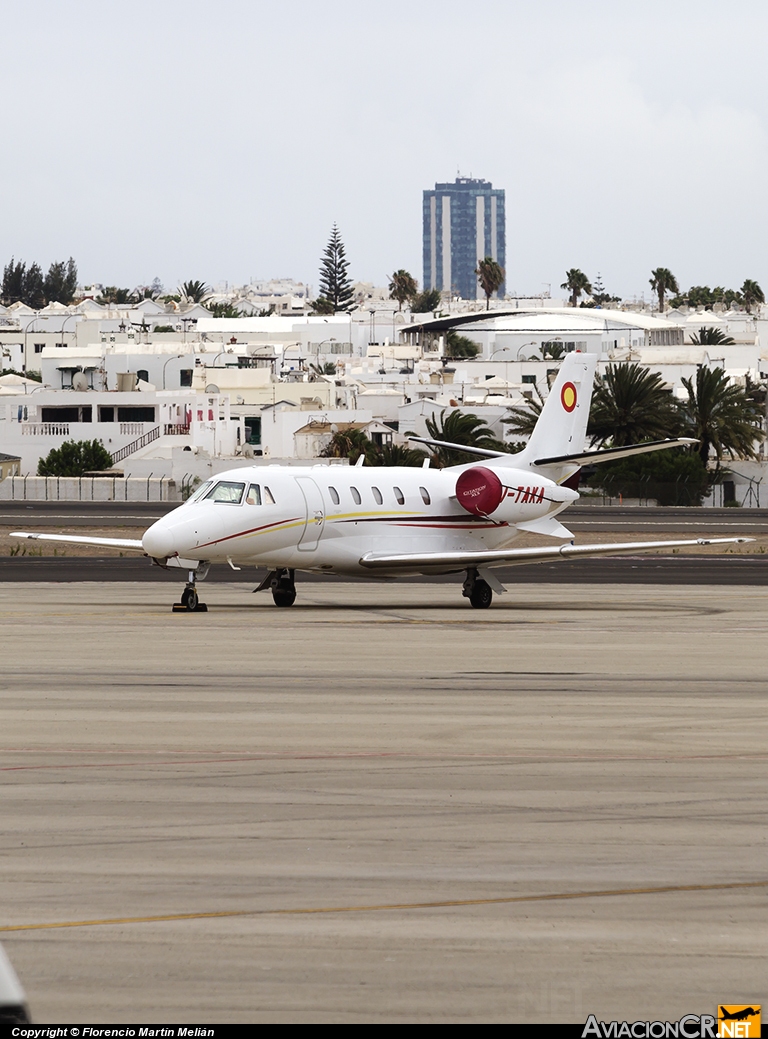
{"type": "Point", "coordinates": [253, 530]}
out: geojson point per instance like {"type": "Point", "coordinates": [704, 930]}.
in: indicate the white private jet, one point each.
{"type": "Point", "coordinates": [391, 522]}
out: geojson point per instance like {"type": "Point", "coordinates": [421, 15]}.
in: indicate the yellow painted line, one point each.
{"type": "Point", "coordinates": [452, 903]}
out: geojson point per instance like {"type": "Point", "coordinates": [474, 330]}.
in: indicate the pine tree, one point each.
{"type": "Point", "coordinates": [335, 286]}
{"type": "Point", "coordinates": [34, 287]}
{"type": "Point", "coordinates": [61, 282]}
{"type": "Point", "coordinates": [14, 275]}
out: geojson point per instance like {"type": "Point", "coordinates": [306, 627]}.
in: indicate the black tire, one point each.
{"type": "Point", "coordinates": [189, 599]}
{"type": "Point", "coordinates": [284, 596]}
{"type": "Point", "coordinates": [481, 596]}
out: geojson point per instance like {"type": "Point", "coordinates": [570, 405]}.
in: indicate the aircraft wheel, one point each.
{"type": "Point", "coordinates": [284, 596]}
{"type": "Point", "coordinates": [189, 599]}
{"type": "Point", "coordinates": [481, 595]}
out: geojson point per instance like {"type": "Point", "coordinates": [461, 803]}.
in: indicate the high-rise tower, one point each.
{"type": "Point", "coordinates": [463, 223]}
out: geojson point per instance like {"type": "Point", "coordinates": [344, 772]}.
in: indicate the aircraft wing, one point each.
{"type": "Point", "coordinates": [73, 539]}
{"type": "Point", "coordinates": [426, 561]}
{"type": "Point", "coordinates": [483, 452]}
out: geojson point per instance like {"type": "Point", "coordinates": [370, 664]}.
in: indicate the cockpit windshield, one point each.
{"type": "Point", "coordinates": [226, 491]}
{"type": "Point", "coordinates": [202, 491]}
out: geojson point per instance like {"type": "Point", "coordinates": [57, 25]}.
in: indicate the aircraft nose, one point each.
{"type": "Point", "coordinates": [159, 541]}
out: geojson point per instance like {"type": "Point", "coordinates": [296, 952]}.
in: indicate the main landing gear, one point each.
{"type": "Point", "coordinates": [190, 603]}
{"type": "Point", "coordinates": [477, 590]}
{"type": "Point", "coordinates": [283, 587]}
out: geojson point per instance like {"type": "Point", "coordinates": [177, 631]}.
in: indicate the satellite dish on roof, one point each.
{"type": "Point", "coordinates": [212, 388]}
{"type": "Point", "coordinates": [79, 382]}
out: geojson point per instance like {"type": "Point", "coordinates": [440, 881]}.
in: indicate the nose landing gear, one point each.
{"type": "Point", "coordinates": [190, 603]}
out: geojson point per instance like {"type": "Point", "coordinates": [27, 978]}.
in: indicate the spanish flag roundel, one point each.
{"type": "Point", "coordinates": [568, 396]}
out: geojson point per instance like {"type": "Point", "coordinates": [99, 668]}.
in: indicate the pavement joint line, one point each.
{"type": "Point", "coordinates": [397, 755]}
{"type": "Point", "coordinates": [383, 907]}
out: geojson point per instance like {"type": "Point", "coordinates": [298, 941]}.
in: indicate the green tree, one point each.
{"type": "Point", "coordinates": [425, 302]}
{"type": "Point", "coordinates": [674, 477]}
{"type": "Point", "coordinates": [336, 291]}
{"type": "Point", "coordinates": [631, 405]}
{"type": "Point", "coordinates": [553, 349]}
{"type": "Point", "coordinates": [61, 282]}
{"type": "Point", "coordinates": [663, 281]}
{"type": "Point", "coordinates": [722, 416]}
{"type": "Point", "coordinates": [460, 427]}
{"type": "Point", "coordinates": [32, 376]}
{"type": "Point", "coordinates": [194, 291]}
{"type": "Point", "coordinates": [113, 294]}
{"type": "Point", "coordinates": [225, 309]}
{"type": "Point", "coordinates": [14, 276]}
{"type": "Point", "coordinates": [350, 443]}
{"type": "Point", "coordinates": [74, 458]}
{"type": "Point", "coordinates": [600, 298]}
{"type": "Point", "coordinates": [752, 294]}
{"type": "Point", "coordinates": [522, 420]}
{"type": "Point", "coordinates": [576, 282]}
{"type": "Point", "coordinates": [458, 347]}
{"type": "Point", "coordinates": [704, 296]}
{"type": "Point", "coordinates": [491, 277]}
{"type": "Point", "coordinates": [34, 287]}
{"type": "Point", "coordinates": [395, 454]}
{"type": "Point", "coordinates": [402, 286]}
{"type": "Point", "coordinates": [711, 337]}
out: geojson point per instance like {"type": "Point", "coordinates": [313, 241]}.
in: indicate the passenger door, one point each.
{"type": "Point", "coordinates": [315, 514]}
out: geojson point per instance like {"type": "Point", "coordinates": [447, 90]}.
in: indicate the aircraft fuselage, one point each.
{"type": "Point", "coordinates": [326, 517]}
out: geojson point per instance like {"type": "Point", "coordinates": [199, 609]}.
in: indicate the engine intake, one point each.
{"type": "Point", "coordinates": [479, 491]}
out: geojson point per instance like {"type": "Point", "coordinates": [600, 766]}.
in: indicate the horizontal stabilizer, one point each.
{"type": "Point", "coordinates": [73, 539]}
{"type": "Point", "coordinates": [612, 454]}
{"type": "Point", "coordinates": [459, 447]}
{"type": "Point", "coordinates": [546, 525]}
{"type": "Point", "coordinates": [426, 562]}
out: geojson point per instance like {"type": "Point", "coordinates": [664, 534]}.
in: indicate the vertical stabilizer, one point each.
{"type": "Point", "coordinates": [562, 425]}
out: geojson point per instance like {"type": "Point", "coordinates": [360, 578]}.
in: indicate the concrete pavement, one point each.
{"type": "Point", "coordinates": [578, 774]}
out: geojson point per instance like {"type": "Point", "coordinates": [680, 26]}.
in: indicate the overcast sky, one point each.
{"type": "Point", "coordinates": [221, 140]}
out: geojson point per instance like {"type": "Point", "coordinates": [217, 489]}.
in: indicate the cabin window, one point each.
{"type": "Point", "coordinates": [228, 492]}
{"type": "Point", "coordinates": [334, 495]}
{"type": "Point", "coordinates": [425, 495]}
{"type": "Point", "coordinates": [377, 496]}
{"type": "Point", "coordinates": [268, 497]}
{"type": "Point", "coordinates": [399, 496]}
{"type": "Point", "coordinates": [356, 495]}
{"type": "Point", "coordinates": [254, 495]}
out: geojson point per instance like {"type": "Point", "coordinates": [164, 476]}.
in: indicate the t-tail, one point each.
{"type": "Point", "coordinates": [562, 425]}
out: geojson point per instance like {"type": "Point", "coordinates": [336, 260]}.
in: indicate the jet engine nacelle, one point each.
{"type": "Point", "coordinates": [509, 495]}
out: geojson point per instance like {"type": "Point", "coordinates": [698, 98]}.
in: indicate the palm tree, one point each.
{"type": "Point", "coordinates": [350, 443]}
{"type": "Point", "coordinates": [721, 416]}
{"type": "Point", "coordinates": [576, 282]}
{"type": "Point", "coordinates": [752, 294]}
{"type": "Point", "coordinates": [707, 336]}
{"type": "Point", "coordinates": [194, 291]}
{"type": "Point", "coordinates": [402, 286]}
{"type": "Point", "coordinates": [631, 405]}
{"type": "Point", "coordinates": [426, 301]}
{"type": "Point", "coordinates": [461, 428]}
{"type": "Point", "coordinates": [458, 347]}
{"type": "Point", "coordinates": [553, 349]}
{"type": "Point", "coordinates": [491, 277]}
{"type": "Point", "coordinates": [662, 282]}
{"type": "Point", "coordinates": [395, 454]}
{"type": "Point", "coordinates": [522, 421]}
